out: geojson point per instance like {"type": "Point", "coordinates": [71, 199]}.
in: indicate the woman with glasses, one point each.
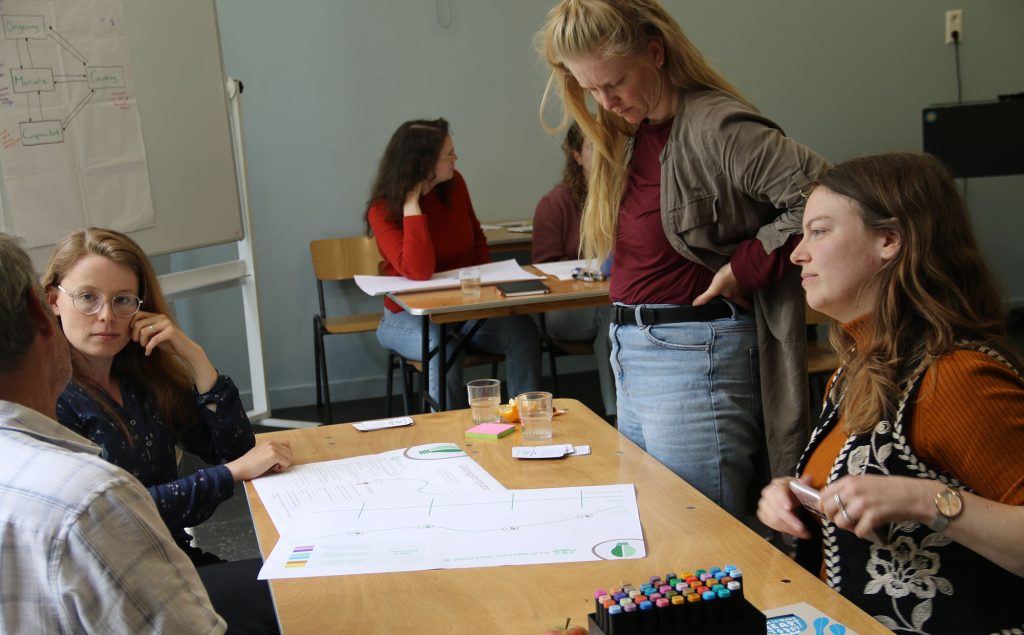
{"type": "Point", "coordinates": [423, 219]}
{"type": "Point", "coordinates": [141, 389]}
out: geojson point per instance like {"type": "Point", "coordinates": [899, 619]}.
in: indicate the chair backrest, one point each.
{"type": "Point", "coordinates": [343, 258]}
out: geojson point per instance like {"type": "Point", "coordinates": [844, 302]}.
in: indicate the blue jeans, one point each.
{"type": "Point", "coordinates": [588, 325]}
{"type": "Point", "coordinates": [515, 337]}
{"type": "Point", "coordinates": [689, 394]}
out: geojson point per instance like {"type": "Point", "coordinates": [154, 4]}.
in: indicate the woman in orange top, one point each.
{"type": "Point", "coordinates": [919, 451]}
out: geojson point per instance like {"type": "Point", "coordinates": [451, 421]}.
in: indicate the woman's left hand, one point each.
{"type": "Point", "coordinates": [724, 284]}
{"type": "Point", "coordinates": [863, 502]}
{"type": "Point", "coordinates": [155, 330]}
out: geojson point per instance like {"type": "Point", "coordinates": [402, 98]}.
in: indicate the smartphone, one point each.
{"type": "Point", "coordinates": [809, 497]}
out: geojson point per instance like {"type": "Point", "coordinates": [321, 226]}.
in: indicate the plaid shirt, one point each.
{"type": "Point", "coordinates": [82, 548]}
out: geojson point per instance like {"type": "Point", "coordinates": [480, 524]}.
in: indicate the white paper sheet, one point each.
{"type": "Point", "coordinates": [563, 269]}
{"type": "Point", "coordinates": [514, 527]}
{"type": "Point", "coordinates": [424, 470]}
{"type": "Point", "coordinates": [490, 273]}
{"type": "Point", "coordinates": [71, 139]}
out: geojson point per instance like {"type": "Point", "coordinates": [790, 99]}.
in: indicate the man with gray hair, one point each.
{"type": "Point", "coordinates": [82, 547]}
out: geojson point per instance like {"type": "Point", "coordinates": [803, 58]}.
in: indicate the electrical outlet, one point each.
{"type": "Point", "coordinates": [954, 22]}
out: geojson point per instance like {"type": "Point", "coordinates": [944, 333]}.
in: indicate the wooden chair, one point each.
{"type": "Point", "coordinates": [338, 259]}
{"type": "Point", "coordinates": [821, 359]}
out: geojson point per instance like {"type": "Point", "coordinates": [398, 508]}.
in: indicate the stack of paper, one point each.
{"type": "Point", "coordinates": [490, 273]}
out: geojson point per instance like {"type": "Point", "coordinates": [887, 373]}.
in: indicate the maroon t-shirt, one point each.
{"type": "Point", "coordinates": [647, 270]}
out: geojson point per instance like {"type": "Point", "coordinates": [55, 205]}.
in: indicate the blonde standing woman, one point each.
{"type": "Point", "coordinates": [698, 198]}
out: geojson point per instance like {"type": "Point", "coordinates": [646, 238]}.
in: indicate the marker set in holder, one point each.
{"type": "Point", "coordinates": [704, 601]}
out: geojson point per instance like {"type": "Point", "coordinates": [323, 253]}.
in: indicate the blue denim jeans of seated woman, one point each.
{"type": "Point", "coordinates": [689, 394]}
{"type": "Point", "coordinates": [515, 337]}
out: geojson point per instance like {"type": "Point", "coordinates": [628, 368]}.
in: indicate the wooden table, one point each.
{"type": "Point", "coordinates": [503, 241]}
{"type": "Point", "coordinates": [446, 306]}
{"type": "Point", "coordinates": [682, 530]}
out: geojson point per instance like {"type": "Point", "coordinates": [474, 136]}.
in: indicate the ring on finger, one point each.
{"type": "Point", "coordinates": [152, 328]}
{"type": "Point", "coordinates": [842, 509]}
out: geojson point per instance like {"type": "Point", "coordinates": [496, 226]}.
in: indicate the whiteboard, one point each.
{"type": "Point", "coordinates": [183, 107]}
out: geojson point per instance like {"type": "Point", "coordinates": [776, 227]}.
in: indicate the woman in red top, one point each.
{"type": "Point", "coordinates": [423, 219]}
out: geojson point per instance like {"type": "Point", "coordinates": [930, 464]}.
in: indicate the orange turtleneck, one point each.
{"type": "Point", "coordinates": [968, 422]}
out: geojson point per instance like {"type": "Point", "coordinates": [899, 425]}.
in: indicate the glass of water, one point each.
{"type": "Point", "coordinates": [535, 413]}
{"type": "Point", "coordinates": [469, 279]}
{"type": "Point", "coordinates": [484, 397]}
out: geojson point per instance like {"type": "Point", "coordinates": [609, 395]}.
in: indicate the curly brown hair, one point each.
{"type": "Point", "coordinates": [573, 174]}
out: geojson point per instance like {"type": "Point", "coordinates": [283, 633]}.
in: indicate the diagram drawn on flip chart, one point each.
{"type": "Point", "coordinates": [71, 138]}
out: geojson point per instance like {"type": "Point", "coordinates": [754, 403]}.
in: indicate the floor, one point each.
{"type": "Point", "coordinates": [229, 532]}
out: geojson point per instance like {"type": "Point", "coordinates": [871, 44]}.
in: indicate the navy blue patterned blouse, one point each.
{"type": "Point", "coordinates": [218, 437]}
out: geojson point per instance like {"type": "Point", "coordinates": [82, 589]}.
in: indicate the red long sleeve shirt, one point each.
{"type": "Point", "coordinates": [445, 236]}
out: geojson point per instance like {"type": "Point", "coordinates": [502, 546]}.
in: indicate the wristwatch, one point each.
{"type": "Point", "coordinates": [948, 505]}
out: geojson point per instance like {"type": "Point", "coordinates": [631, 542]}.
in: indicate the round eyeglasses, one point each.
{"type": "Point", "coordinates": [91, 303]}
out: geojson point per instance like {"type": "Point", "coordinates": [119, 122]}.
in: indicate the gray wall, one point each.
{"type": "Point", "coordinates": [327, 82]}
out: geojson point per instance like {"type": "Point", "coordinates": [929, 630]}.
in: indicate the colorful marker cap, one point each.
{"type": "Point", "coordinates": [708, 595]}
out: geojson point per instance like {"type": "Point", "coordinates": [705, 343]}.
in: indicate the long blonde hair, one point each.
{"type": "Point", "coordinates": [936, 291]}
{"type": "Point", "coordinates": [612, 29]}
{"type": "Point", "coordinates": [162, 375]}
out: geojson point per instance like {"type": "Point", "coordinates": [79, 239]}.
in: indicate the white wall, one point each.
{"type": "Point", "coordinates": [328, 81]}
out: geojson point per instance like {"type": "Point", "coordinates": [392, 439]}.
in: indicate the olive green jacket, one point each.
{"type": "Point", "coordinates": [729, 174]}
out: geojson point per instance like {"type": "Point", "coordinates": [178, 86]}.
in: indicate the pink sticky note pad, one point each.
{"type": "Point", "coordinates": [490, 430]}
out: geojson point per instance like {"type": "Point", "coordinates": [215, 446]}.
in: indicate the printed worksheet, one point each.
{"type": "Point", "coordinates": [512, 527]}
{"type": "Point", "coordinates": [424, 471]}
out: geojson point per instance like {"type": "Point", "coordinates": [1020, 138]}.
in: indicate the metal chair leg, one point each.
{"type": "Point", "coordinates": [390, 385]}
{"type": "Point", "coordinates": [407, 390]}
{"type": "Point", "coordinates": [316, 360]}
{"type": "Point", "coordinates": [327, 383]}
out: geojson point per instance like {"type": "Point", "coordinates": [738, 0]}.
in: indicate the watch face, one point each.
{"type": "Point", "coordinates": [949, 503]}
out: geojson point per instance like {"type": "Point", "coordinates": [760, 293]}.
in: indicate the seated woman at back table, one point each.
{"type": "Point", "coordinates": [919, 450]}
{"type": "Point", "coordinates": [141, 389]}
{"type": "Point", "coordinates": [423, 219]}
{"type": "Point", "coordinates": [556, 237]}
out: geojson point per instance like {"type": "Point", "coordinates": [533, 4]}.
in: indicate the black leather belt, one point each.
{"type": "Point", "coordinates": [671, 315]}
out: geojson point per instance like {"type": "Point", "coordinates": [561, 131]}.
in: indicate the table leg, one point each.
{"type": "Point", "coordinates": [425, 356]}
{"type": "Point", "coordinates": [442, 367]}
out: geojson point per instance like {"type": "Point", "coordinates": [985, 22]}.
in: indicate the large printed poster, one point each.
{"type": "Point", "coordinates": [71, 148]}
